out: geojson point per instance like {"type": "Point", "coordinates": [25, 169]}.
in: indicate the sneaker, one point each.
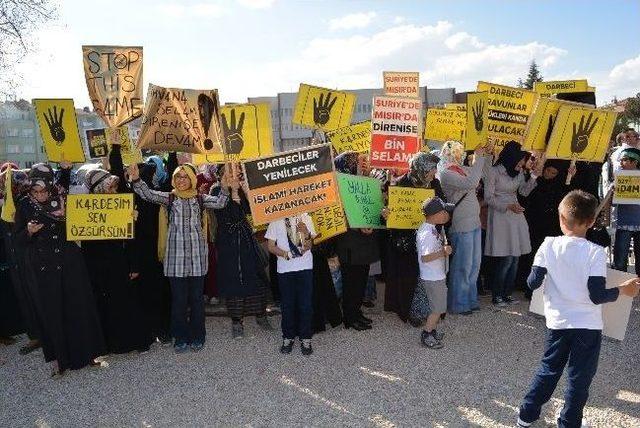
{"type": "Point", "coordinates": [264, 323]}
{"type": "Point", "coordinates": [181, 348]}
{"type": "Point", "coordinates": [497, 301]}
{"type": "Point", "coordinates": [197, 347]}
{"type": "Point", "coordinates": [430, 341]}
{"type": "Point", "coordinates": [438, 335]}
{"type": "Point", "coordinates": [306, 347]}
{"type": "Point", "coordinates": [510, 300]}
{"type": "Point", "coordinates": [287, 346]}
{"type": "Point", "coordinates": [237, 330]}
{"type": "Point", "coordinates": [523, 424]}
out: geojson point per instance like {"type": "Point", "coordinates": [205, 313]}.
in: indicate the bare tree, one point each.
{"type": "Point", "coordinates": [18, 20]}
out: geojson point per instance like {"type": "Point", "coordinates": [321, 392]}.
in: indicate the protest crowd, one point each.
{"type": "Point", "coordinates": [491, 219]}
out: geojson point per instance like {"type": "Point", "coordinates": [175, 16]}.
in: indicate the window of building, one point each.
{"type": "Point", "coordinates": [28, 164]}
{"type": "Point", "coordinates": [13, 132]}
{"type": "Point", "coordinates": [27, 132]}
{"type": "Point", "coordinates": [28, 148]}
{"type": "Point", "coordinates": [13, 148]}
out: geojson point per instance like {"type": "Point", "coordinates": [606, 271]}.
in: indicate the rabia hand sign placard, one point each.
{"type": "Point", "coordinates": [581, 133]}
{"type": "Point", "coordinates": [323, 108]}
{"type": "Point", "coordinates": [181, 120]}
{"type": "Point", "coordinates": [508, 112]}
{"type": "Point", "coordinates": [538, 132]}
{"type": "Point", "coordinates": [477, 120]}
{"type": "Point", "coordinates": [114, 81]}
{"type": "Point", "coordinates": [247, 134]}
{"type": "Point", "coordinates": [59, 129]}
{"type": "Point", "coordinates": [291, 183]}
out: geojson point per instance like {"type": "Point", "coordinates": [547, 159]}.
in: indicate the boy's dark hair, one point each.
{"type": "Point", "coordinates": [578, 208]}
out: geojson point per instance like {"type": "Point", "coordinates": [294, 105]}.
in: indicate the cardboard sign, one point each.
{"type": "Point", "coordinates": [477, 120]}
{"type": "Point", "coordinates": [362, 200]}
{"type": "Point", "coordinates": [59, 129]}
{"type": "Point", "coordinates": [181, 120]}
{"type": "Point", "coordinates": [96, 217]}
{"type": "Point", "coordinates": [97, 143]}
{"type": "Point", "coordinates": [551, 87]}
{"type": "Point", "coordinates": [329, 222]}
{"type": "Point", "coordinates": [353, 138]}
{"type": "Point", "coordinates": [581, 133]}
{"type": "Point", "coordinates": [508, 112]}
{"type": "Point", "coordinates": [615, 315]}
{"type": "Point", "coordinates": [395, 132]}
{"type": "Point", "coordinates": [401, 83]}
{"type": "Point", "coordinates": [247, 134]}
{"type": "Point", "coordinates": [290, 183]}
{"type": "Point", "coordinates": [445, 124]}
{"type": "Point", "coordinates": [456, 106]}
{"type": "Point", "coordinates": [130, 153]}
{"type": "Point", "coordinates": [626, 189]}
{"type": "Point", "coordinates": [323, 108]}
{"type": "Point", "coordinates": [405, 207]}
{"type": "Point", "coordinates": [540, 126]}
{"type": "Point", "coordinates": [114, 81]}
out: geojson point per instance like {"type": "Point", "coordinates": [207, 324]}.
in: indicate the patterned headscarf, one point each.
{"type": "Point", "coordinates": [420, 165]}
{"type": "Point", "coordinates": [452, 153]}
{"type": "Point", "coordinates": [41, 174]}
{"type": "Point", "coordinates": [347, 163]}
{"type": "Point", "coordinates": [98, 180]}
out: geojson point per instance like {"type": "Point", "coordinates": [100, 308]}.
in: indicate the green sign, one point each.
{"type": "Point", "coordinates": [362, 200]}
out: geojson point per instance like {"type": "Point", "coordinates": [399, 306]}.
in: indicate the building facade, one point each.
{"type": "Point", "coordinates": [20, 140]}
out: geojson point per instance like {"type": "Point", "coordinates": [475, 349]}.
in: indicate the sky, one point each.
{"type": "Point", "coordinates": [248, 48]}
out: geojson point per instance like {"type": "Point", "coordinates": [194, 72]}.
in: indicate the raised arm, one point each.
{"type": "Point", "coordinates": [216, 202]}
{"type": "Point", "coordinates": [154, 196]}
{"type": "Point", "coordinates": [116, 167]}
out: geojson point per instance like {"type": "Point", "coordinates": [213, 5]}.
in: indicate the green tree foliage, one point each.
{"type": "Point", "coordinates": [532, 77]}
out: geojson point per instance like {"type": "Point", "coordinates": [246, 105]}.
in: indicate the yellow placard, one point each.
{"type": "Point", "coordinates": [96, 217]}
{"type": "Point", "coordinates": [401, 83]}
{"type": "Point", "coordinates": [247, 134]}
{"type": "Point", "coordinates": [477, 120]}
{"type": "Point", "coordinates": [355, 138]}
{"type": "Point", "coordinates": [59, 129]}
{"type": "Point", "coordinates": [405, 207]}
{"type": "Point", "coordinates": [130, 153]}
{"type": "Point", "coordinates": [581, 133]}
{"type": "Point", "coordinates": [509, 110]}
{"type": "Point", "coordinates": [329, 222]}
{"type": "Point", "coordinates": [445, 124]}
{"type": "Point", "coordinates": [560, 87]}
{"type": "Point", "coordinates": [456, 106]}
{"type": "Point", "coordinates": [114, 80]}
{"type": "Point", "coordinates": [541, 124]}
{"type": "Point", "coordinates": [627, 187]}
{"type": "Point", "coordinates": [323, 108]}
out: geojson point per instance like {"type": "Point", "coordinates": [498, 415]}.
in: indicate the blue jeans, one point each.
{"type": "Point", "coordinates": [464, 270]}
{"type": "Point", "coordinates": [296, 303]}
{"type": "Point", "coordinates": [186, 293]}
{"type": "Point", "coordinates": [621, 249]}
{"type": "Point", "coordinates": [504, 276]}
{"type": "Point", "coordinates": [581, 349]}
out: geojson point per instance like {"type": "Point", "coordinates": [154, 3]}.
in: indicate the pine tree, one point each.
{"type": "Point", "coordinates": [532, 76]}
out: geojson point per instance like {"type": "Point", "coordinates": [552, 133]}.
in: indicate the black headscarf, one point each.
{"type": "Point", "coordinates": [510, 156]}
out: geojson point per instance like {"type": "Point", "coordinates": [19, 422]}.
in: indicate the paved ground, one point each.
{"type": "Point", "coordinates": [379, 378]}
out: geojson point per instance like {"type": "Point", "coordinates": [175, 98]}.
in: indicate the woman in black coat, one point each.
{"type": "Point", "coordinates": [57, 278]}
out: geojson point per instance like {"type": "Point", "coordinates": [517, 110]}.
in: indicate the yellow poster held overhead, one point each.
{"type": "Point", "coordinates": [405, 207]}
{"type": "Point", "coordinates": [509, 110]}
{"type": "Point", "coordinates": [355, 138]}
{"type": "Point", "coordinates": [96, 217]}
{"type": "Point", "coordinates": [329, 222]}
{"type": "Point", "coordinates": [401, 83]}
{"type": "Point", "coordinates": [581, 133]}
{"type": "Point", "coordinates": [477, 120]}
{"type": "Point", "coordinates": [59, 129]}
{"type": "Point", "coordinates": [627, 187]}
{"type": "Point", "coordinates": [130, 153]}
{"type": "Point", "coordinates": [445, 124]}
{"type": "Point", "coordinates": [323, 108]}
{"type": "Point", "coordinates": [246, 132]}
{"type": "Point", "coordinates": [551, 87]}
{"type": "Point", "coordinates": [541, 124]}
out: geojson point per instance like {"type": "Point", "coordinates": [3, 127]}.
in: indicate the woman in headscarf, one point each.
{"type": "Point", "coordinates": [114, 270]}
{"type": "Point", "coordinates": [459, 184]}
{"type": "Point", "coordinates": [402, 260]}
{"type": "Point", "coordinates": [56, 276]}
{"type": "Point", "coordinates": [507, 230]}
{"type": "Point", "coordinates": [241, 269]}
{"type": "Point", "coordinates": [356, 249]}
{"type": "Point", "coordinates": [185, 249]}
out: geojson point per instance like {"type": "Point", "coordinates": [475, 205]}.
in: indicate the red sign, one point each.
{"type": "Point", "coordinates": [395, 131]}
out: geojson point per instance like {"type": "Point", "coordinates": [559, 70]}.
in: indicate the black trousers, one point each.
{"type": "Point", "coordinates": [354, 282]}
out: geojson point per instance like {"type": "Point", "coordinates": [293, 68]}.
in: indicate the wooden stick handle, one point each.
{"type": "Point", "coordinates": [569, 176]}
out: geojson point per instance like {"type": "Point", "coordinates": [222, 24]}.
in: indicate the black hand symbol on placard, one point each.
{"type": "Point", "coordinates": [233, 133]}
{"type": "Point", "coordinates": [322, 109]}
{"type": "Point", "coordinates": [552, 121]}
{"type": "Point", "coordinates": [580, 137]}
{"type": "Point", "coordinates": [478, 113]}
{"type": "Point", "coordinates": [206, 109]}
{"type": "Point", "coordinates": [54, 122]}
